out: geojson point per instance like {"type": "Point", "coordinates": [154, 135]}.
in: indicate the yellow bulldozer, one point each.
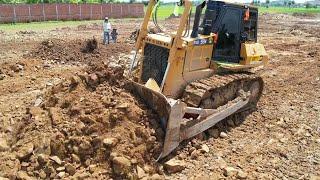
{"type": "Point", "coordinates": [194, 78]}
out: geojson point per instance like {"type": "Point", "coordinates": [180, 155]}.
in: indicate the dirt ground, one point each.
{"type": "Point", "coordinates": [67, 113]}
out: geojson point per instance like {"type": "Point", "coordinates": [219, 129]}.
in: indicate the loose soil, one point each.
{"type": "Point", "coordinates": [65, 111]}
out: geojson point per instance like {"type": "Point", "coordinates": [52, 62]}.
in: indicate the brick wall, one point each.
{"type": "Point", "coordinates": [45, 12]}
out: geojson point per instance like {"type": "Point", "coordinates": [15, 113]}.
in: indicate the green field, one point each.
{"type": "Point", "coordinates": [41, 25]}
{"type": "Point", "coordinates": [165, 11]}
{"type": "Point", "coordinates": [288, 10]}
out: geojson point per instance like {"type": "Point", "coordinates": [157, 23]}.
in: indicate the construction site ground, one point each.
{"type": "Point", "coordinates": [66, 111]}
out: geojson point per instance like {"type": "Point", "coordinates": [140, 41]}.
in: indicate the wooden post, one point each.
{"type": "Point", "coordinates": [101, 13]}
{"type": "Point", "coordinates": [80, 13]}
{"type": "Point", "coordinates": [14, 14]}
{"type": "Point", "coordinates": [69, 11]}
{"type": "Point", "coordinates": [129, 12]}
{"type": "Point", "coordinates": [110, 10]}
{"type": "Point", "coordinates": [43, 12]}
{"type": "Point", "coordinates": [29, 13]}
{"type": "Point", "coordinates": [90, 11]}
{"type": "Point", "coordinates": [121, 10]}
{"type": "Point", "coordinates": [57, 13]}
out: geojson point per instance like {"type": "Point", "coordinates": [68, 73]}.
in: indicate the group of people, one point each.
{"type": "Point", "coordinates": [107, 32]}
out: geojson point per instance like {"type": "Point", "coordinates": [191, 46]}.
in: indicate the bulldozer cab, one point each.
{"type": "Point", "coordinates": [234, 24]}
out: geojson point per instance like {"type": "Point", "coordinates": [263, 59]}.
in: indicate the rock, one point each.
{"type": "Point", "coordinates": [74, 81]}
{"type": "Point", "coordinates": [92, 168]}
{"type": "Point", "coordinates": [93, 80]}
{"type": "Point", "coordinates": [56, 159]}
{"type": "Point", "coordinates": [70, 169]}
{"type": "Point", "coordinates": [55, 115]}
{"type": "Point", "coordinates": [49, 84]}
{"type": "Point", "coordinates": [140, 172]}
{"type": "Point", "coordinates": [25, 151]}
{"type": "Point", "coordinates": [123, 106]}
{"type": "Point", "coordinates": [61, 174]}
{"type": "Point", "coordinates": [155, 177]}
{"type": "Point", "coordinates": [221, 163]}
{"type": "Point", "coordinates": [214, 132]}
{"type": "Point", "coordinates": [192, 149]}
{"type": "Point", "coordinates": [121, 165]}
{"type": "Point", "coordinates": [223, 135]}
{"type": "Point", "coordinates": [229, 171]}
{"type": "Point", "coordinates": [49, 170]}
{"type": "Point", "coordinates": [75, 158]}
{"type": "Point", "coordinates": [25, 164]}
{"type": "Point", "coordinates": [242, 175]}
{"type": "Point", "coordinates": [205, 148]}
{"type": "Point", "coordinates": [85, 147]}
{"type": "Point", "coordinates": [230, 122]}
{"type": "Point", "coordinates": [82, 176]}
{"type": "Point", "coordinates": [42, 159]}
{"type": "Point", "coordinates": [174, 165]}
{"type": "Point", "coordinates": [38, 102]}
{"type": "Point", "coordinates": [110, 142]}
{"type": "Point", "coordinates": [113, 155]}
{"type": "Point", "coordinates": [62, 168]}
{"type": "Point", "coordinates": [42, 174]}
{"type": "Point", "coordinates": [182, 156]}
{"type": "Point", "coordinates": [16, 67]}
{"type": "Point", "coordinates": [147, 168]}
{"type": "Point", "coordinates": [194, 154]}
{"type": "Point", "coordinates": [3, 145]}
{"type": "Point", "coordinates": [2, 76]}
{"type": "Point", "coordinates": [314, 177]}
{"type": "Point", "coordinates": [23, 175]}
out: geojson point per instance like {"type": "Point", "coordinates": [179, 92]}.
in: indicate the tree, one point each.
{"type": "Point", "coordinates": [308, 5]}
{"type": "Point", "coordinates": [267, 3]}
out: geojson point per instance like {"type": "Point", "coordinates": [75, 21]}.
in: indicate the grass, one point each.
{"type": "Point", "coordinates": [47, 25]}
{"type": "Point", "coordinates": [288, 10]}
{"type": "Point", "coordinates": [41, 25]}
{"type": "Point", "coordinates": [165, 11]}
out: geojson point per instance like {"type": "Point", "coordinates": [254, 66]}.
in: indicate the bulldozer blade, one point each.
{"type": "Point", "coordinates": [173, 112]}
{"type": "Point", "coordinates": [155, 100]}
{"type": "Point", "coordinates": [167, 109]}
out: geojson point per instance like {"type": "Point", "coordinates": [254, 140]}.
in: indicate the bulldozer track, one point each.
{"type": "Point", "coordinates": [218, 89]}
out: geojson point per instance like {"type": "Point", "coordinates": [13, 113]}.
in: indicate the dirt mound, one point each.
{"type": "Point", "coordinates": [90, 45]}
{"type": "Point", "coordinates": [62, 51]}
{"type": "Point", "coordinates": [88, 127]}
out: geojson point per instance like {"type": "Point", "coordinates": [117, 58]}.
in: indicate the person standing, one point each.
{"type": "Point", "coordinates": [106, 30]}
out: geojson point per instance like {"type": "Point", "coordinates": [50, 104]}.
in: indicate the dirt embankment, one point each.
{"type": "Point", "coordinates": [58, 51]}
{"type": "Point", "coordinates": [88, 126]}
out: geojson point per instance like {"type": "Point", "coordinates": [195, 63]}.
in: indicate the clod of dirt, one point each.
{"type": "Point", "coordinates": [90, 45]}
{"type": "Point", "coordinates": [2, 76]}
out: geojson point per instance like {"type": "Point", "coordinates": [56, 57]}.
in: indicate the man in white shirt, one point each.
{"type": "Point", "coordinates": [106, 30]}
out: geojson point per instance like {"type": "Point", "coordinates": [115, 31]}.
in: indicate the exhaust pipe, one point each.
{"type": "Point", "coordinates": [196, 22]}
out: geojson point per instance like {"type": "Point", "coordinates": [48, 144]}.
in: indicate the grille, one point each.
{"type": "Point", "coordinates": [154, 63]}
